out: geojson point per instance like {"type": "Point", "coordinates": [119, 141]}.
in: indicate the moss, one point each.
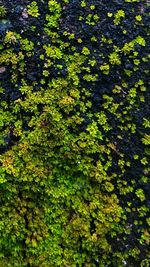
{"type": "Point", "coordinates": [33, 9]}
{"type": "Point", "coordinates": [3, 11]}
{"type": "Point", "coordinates": [74, 140]}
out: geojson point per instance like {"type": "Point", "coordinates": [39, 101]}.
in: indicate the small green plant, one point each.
{"type": "Point", "coordinates": [114, 59]}
{"type": "Point", "coordinates": [83, 4]}
{"type": "Point", "coordinates": [146, 123]}
{"type": "Point", "coordinates": [53, 52]}
{"type": "Point", "coordinates": [92, 7]}
{"type": "Point", "coordinates": [46, 73]}
{"type": "Point", "coordinates": [3, 11]}
{"type": "Point", "coordinates": [140, 194]}
{"type": "Point", "coordinates": [33, 9]}
{"type": "Point", "coordinates": [90, 77]}
{"type": "Point", "coordinates": [10, 38]}
{"type": "Point", "coordinates": [54, 6]}
{"type": "Point", "coordinates": [138, 18]}
{"type": "Point", "coordinates": [120, 14]}
{"type": "Point", "coordinates": [105, 68]}
{"type": "Point", "coordinates": [85, 51]}
{"type": "Point", "coordinates": [146, 139]}
{"type": "Point", "coordinates": [27, 45]}
{"type": "Point", "coordinates": [140, 40]}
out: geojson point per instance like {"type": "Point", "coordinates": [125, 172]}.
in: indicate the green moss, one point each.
{"type": "Point", "coordinates": [33, 9]}
{"type": "Point", "coordinates": [3, 11]}
{"type": "Point", "coordinates": [118, 16]}
{"type": "Point", "coordinates": [74, 137]}
{"type": "Point", "coordinates": [114, 59]}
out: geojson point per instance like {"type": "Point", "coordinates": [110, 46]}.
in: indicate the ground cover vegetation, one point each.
{"type": "Point", "coordinates": [74, 133]}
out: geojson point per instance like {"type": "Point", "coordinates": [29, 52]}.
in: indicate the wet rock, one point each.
{"type": "Point", "coordinates": [18, 9]}
{"type": "Point", "coordinates": [25, 14]}
{"type": "Point", "coordinates": [5, 25]}
{"type": "Point", "coordinates": [2, 69]}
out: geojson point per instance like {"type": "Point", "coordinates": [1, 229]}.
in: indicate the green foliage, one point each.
{"type": "Point", "coordinates": [118, 16]}
{"type": "Point", "coordinates": [10, 38]}
{"type": "Point", "coordinates": [33, 9]}
{"type": "Point", "coordinates": [114, 59]}
{"type": "Point", "coordinates": [74, 140]}
{"type": "Point", "coordinates": [3, 11]}
{"type": "Point", "coordinates": [55, 12]}
{"type": "Point", "coordinates": [27, 45]}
